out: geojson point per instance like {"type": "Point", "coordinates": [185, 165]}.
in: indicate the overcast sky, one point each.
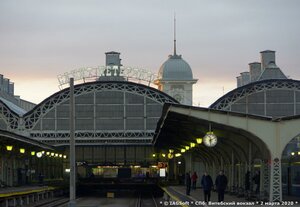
{"type": "Point", "coordinates": [42, 39]}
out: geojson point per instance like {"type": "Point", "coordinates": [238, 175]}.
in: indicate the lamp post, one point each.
{"type": "Point", "coordinates": [72, 202]}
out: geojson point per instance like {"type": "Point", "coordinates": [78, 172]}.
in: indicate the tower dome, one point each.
{"type": "Point", "coordinates": [175, 77]}
{"type": "Point", "coordinates": [175, 68]}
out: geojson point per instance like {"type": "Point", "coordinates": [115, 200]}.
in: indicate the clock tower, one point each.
{"type": "Point", "coordinates": [175, 77]}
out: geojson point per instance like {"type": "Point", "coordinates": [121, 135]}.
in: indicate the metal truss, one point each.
{"type": "Point", "coordinates": [276, 180]}
{"type": "Point", "coordinates": [31, 118]}
{"type": "Point", "coordinates": [11, 118]}
{"type": "Point", "coordinates": [96, 141]}
{"type": "Point", "coordinates": [107, 135]}
{"type": "Point", "coordinates": [96, 72]}
{"type": "Point", "coordinates": [266, 178]}
{"type": "Point", "coordinates": [227, 100]}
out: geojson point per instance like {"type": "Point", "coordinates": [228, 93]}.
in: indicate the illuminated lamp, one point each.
{"type": "Point", "coordinates": [187, 147]}
{"type": "Point", "coordinates": [292, 153]}
{"type": "Point", "coordinates": [56, 155]}
{"type": "Point", "coordinates": [177, 155]}
{"type": "Point", "coordinates": [65, 156]}
{"type": "Point", "coordinates": [171, 150]}
{"type": "Point", "coordinates": [60, 155]}
{"type": "Point", "coordinates": [192, 144]}
{"type": "Point", "coordinates": [199, 140]}
{"type": "Point", "coordinates": [32, 153]}
{"type": "Point", "coordinates": [163, 155]}
{"type": "Point", "coordinates": [39, 154]}
{"type": "Point", "coordinates": [153, 155]}
{"type": "Point", "coordinates": [52, 154]}
{"type": "Point", "coordinates": [22, 150]}
{"type": "Point", "coordinates": [182, 150]}
{"type": "Point", "coordinates": [299, 153]}
{"type": "Point", "coordinates": [43, 152]}
{"type": "Point", "coordinates": [48, 153]}
{"type": "Point", "coordinates": [9, 148]}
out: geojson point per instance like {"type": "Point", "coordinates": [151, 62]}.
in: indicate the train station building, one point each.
{"type": "Point", "coordinates": [131, 118]}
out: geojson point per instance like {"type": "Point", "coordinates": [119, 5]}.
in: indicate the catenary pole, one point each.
{"type": "Point", "coordinates": [72, 202]}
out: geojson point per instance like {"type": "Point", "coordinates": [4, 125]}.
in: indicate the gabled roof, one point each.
{"type": "Point", "coordinates": [13, 107]}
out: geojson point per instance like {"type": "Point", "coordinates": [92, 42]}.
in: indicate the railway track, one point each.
{"type": "Point", "coordinates": [146, 201]}
{"type": "Point", "coordinates": [52, 203]}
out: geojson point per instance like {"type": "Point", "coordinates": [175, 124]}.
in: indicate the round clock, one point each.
{"type": "Point", "coordinates": [210, 140]}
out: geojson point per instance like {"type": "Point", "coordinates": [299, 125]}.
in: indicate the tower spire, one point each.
{"type": "Point", "coordinates": [175, 34]}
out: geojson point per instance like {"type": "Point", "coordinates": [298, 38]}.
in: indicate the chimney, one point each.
{"type": "Point", "coordinates": [5, 85]}
{"type": "Point", "coordinates": [255, 71]}
{"type": "Point", "coordinates": [245, 78]}
{"type": "Point", "coordinates": [11, 88]}
{"type": "Point", "coordinates": [267, 56]}
{"type": "Point", "coordinates": [113, 58]}
{"type": "Point", "coordinates": [1, 82]}
{"type": "Point", "coordinates": [239, 81]}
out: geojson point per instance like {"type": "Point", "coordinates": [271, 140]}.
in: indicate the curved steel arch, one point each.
{"type": "Point", "coordinates": [10, 117]}
{"type": "Point", "coordinates": [225, 101]}
{"type": "Point", "coordinates": [32, 117]}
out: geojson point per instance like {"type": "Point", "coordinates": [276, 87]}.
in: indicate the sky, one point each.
{"type": "Point", "coordinates": [42, 39]}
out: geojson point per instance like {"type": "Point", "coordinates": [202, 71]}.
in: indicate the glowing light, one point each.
{"type": "Point", "coordinates": [299, 153]}
{"type": "Point", "coordinates": [170, 155]}
{"type": "Point", "coordinates": [199, 140]}
{"type": "Point", "coordinates": [43, 152]}
{"type": "Point", "coordinates": [39, 154]}
{"type": "Point", "coordinates": [9, 148]}
{"type": "Point", "coordinates": [48, 153]}
{"type": "Point", "coordinates": [187, 147]}
{"type": "Point", "coordinates": [179, 162]}
{"type": "Point", "coordinates": [32, 153]}
{"type": "Point", "coordinates": [56, 155]}
{"type": "Point", "coordinates": [67, 170]}
{"type": "Point", "coordinates": [192, 144]}
{"type": "Point", "coordinates": [171, 150]}
{"type": "Point", "coordinates": [177, 155]}
{"type": "Point", "coordinates": [292, 153]}
{"type": "Point", "coordinates": [136, 166]}
{"type": "Point", "coordinates": [163, 155]}
{"type": "Point", "coordinates": [65, 156]}
{"type": "Point", "coordinates": [153, 155]}
{"type": "Point", "coordinates": [182, 150]}
{"type": "Point", "coordinates": [52, 154]}
{"type": "Point", "coordinates": [60, 155]}
{"type": "Point", "coordinates": [22, 150]}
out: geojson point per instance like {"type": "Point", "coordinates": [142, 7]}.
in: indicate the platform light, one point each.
{"type": "Point", "coordinates": [299, 153]}
{"type": "Point", "coordinates": [39, 154]}
{"type": "Point", "coordinates": [22, 150]}
{"type": "Point", "coordinates": [153, 166]}
{"type": "Point", "coordinates": [292, 153]}
{"type": "Point", "coordinates": [56, 154]}
{"type": "Point", "coordinates": [60, 155]}
{"type": "Point", "coordinates": [182, 150]}
{"type": "Point", "coordinates": [192, 144]}
{"type": "Point", "coordinates": [163, 155]}
{"type": "Point", "coordinates": [32, 153]}
{"type": "Point", "coordinates": [48, 153]}
{"type": "Point", "coordinates": [65, 156]}
{"type": "Point", "coordinates": [177, 155]}
{"type": "Point", "coordinates": [187, 147]}
{"type": "Point", "coordinates": [43, 152]}
{"type": "Point", "coordinates": [199, 140]}
{"type": "Point", "coordinates": [137, 166]}
{"type": "Point", "coordinates": [9, 147]}
{"type": "Point", "coordinates": [52, 154]}
{"type": "Point", "coordinates": [171, 150]}
{"type": "Point", "coordinates": [153, 155]}
{"type": "Point", "coordinates": [67, 170]}
{"type": "Point", "coordinates": [179, 163]}
{"type": "Point", "coordinates": [170, 155]}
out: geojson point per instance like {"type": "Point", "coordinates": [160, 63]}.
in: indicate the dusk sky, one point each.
{"type": "Point", "coordinates": [42, 39]}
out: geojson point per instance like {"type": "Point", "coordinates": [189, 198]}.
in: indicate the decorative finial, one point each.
{"type": "Point", "coordinates": [175, 34]}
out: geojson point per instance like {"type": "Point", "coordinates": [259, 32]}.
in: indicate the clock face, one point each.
{"type": "Point", "coordinates": [210, 140]}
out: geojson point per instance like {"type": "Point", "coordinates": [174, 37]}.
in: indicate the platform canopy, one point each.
{"type": "Point", "coordinates": [240, 138]}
